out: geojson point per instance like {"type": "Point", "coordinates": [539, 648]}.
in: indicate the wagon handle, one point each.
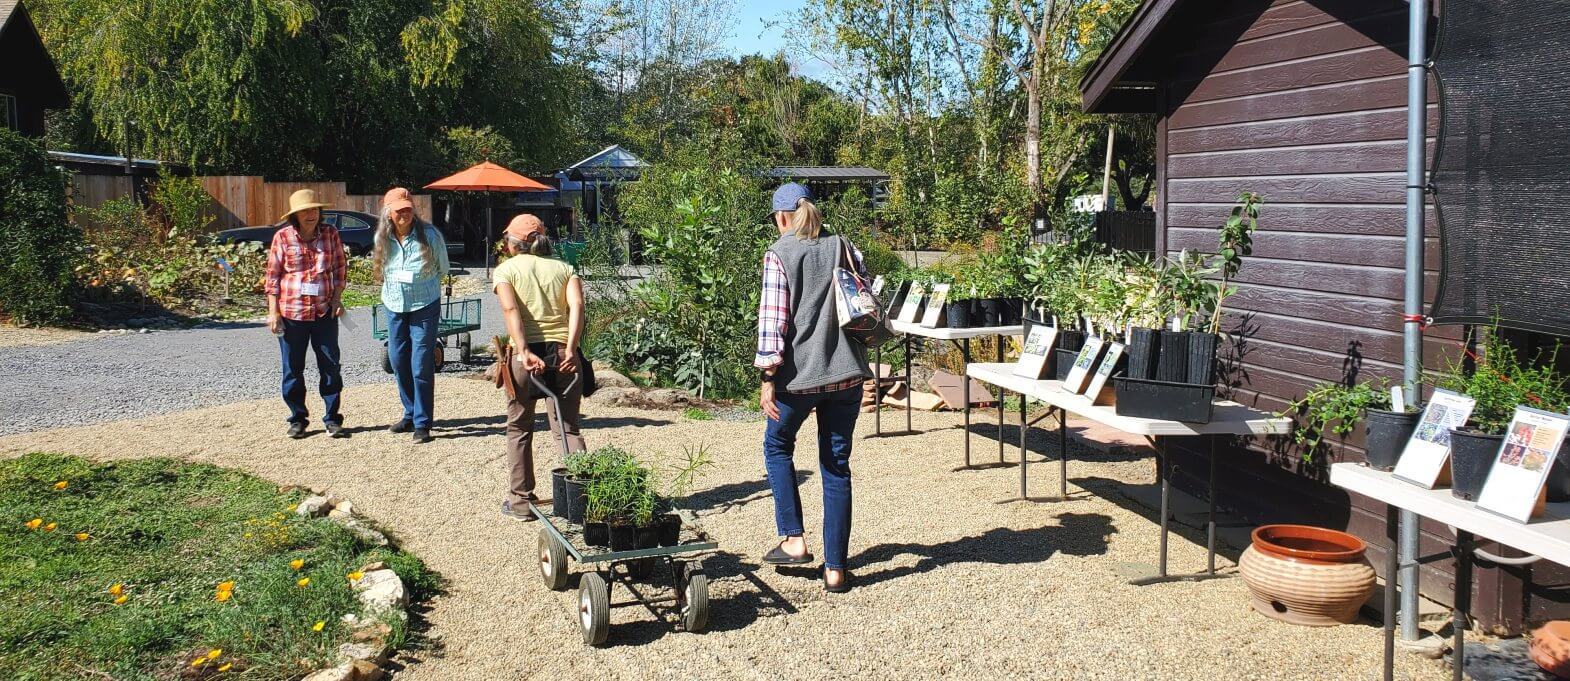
{"type": "Point", "coordinates": [555, 403]}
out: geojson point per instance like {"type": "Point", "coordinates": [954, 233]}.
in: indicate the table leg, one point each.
{"type": "Point", "coordinates": [1165, 470]}
{"type": "Point", "coordinates": [965, 381]}
{"type": "Point", "coordinates": [1392, 582]}
{"type": "Point", "coordinates": [1024, 427]}
{"type": "Point", "coordinates": [1166, 488]}
{"type": "Point", "coordinates": [1001, 394]}
{"type": "Point", "coordinates": [910, 387]}
{"type": "Point", "coordinates": [877, 391]}
{"type": "Point", "coordinates": [1463, 602]}
{"type": "Point", "coordinates": [1210, 517]}
{"type": "Point", "coordinates": [1063, 453]}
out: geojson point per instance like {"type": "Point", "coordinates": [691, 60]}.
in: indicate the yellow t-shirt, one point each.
{"type": "Point", "coordinates": [541, 285]}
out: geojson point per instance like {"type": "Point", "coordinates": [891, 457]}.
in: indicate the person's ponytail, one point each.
{"type": "Point", "coordinates": [806, 222]}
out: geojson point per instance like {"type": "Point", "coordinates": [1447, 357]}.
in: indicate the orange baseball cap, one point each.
{"type": "Point", "coordinates": [524, 226]}
{"type": "Point", "coordinates": [396, 199]}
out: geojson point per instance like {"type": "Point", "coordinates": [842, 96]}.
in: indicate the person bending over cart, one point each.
{"type": "Point", "coordinates": [808, 364]}
{"type": "Point", "coordinates": [411, 256]}
{"type": "Point", "coordinates": [542, 301]}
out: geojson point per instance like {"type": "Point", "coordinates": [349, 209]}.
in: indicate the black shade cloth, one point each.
{"type": "Point", "coordinates": [1502, 174]}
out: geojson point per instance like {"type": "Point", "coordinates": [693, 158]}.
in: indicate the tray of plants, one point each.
{"type": "Point", "coordinates": [609, 515]}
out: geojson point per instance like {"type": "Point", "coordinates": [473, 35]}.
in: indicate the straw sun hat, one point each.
{"type": "Point", "coordinates": [305, 199]}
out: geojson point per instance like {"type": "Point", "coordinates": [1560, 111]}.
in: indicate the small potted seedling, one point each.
{"type": "Point", "coordinates": [696, 461]}
{"type": "Point", "coordinates": [1335, 409]}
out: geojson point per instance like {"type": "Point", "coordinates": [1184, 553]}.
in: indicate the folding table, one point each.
{"type": "Point", "coordinates": [961, 339]}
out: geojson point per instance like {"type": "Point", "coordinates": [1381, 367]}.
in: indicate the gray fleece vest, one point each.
{"type": "Point", "coordinates": [817, 352]}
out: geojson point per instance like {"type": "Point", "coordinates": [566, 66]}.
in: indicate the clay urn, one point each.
{"type": "Point", "coordinates": [1307, 575]}
{"type": "Point", "coordinates": [1551, 648]}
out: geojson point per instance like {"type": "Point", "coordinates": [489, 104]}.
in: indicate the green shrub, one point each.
{"type": "Point", "coordinates": [39, 247]}
{"type": "Point", "coordinates": [1501, 381]}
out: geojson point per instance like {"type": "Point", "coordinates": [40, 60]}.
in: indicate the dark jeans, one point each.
{"type": "Point", "coordinates": [411, 345]}
{"type": "Point", "coordinates": [520, 419]}
{"type": "Point", "coordinates": [837, 413]}
{"type": "Point", "coordinates": [320, 335]}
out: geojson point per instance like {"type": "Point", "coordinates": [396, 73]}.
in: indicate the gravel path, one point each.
{"type": "Point", "coordinates": [951, 582]}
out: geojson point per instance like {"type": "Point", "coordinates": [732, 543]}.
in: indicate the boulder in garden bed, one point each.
{"type": "Point", "coordinates": [614, 396]}
{"type": "Point", "coordinates": [381, 591]}
{"type": "Point", "coordinates": [668, 397]}
{"type": "Point", "coordinates": [610, 378]}
{"type": "Point", "coordinates": [314, 506]}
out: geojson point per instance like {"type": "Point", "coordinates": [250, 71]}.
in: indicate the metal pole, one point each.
{"type": "Point", "coordinates": [1412, 357]}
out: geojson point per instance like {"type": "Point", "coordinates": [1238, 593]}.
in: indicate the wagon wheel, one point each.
{"type": "Point", "coordinates": [553, 562]}
{"type": "Point", "coordinates": [693, 597]}
{"type": "Point", "coordinates": [465, 347]}
{"type": "Point", "coordinates": [386, 360]}
{"type": "Point", "coordinates": [439, 356]}
{"type": "Point", "coordinates": [594, 609]}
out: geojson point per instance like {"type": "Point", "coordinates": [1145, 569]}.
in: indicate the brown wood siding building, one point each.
{"type": "Point", "coordinates": [29, 82]}
{"type": "Point", "coordinates": [1304, 102]}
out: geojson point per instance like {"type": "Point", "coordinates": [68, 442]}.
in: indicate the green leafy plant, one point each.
{"type": "Point", "coordinates": [39, 247]}
{"type": "Point", "coordinates": [1236, 241]}
{"type": "Point", "coordinates": [1334, 409]}
{"type": "Point", "coordinates": [697, 414]}
{"type": "Point", "coordinates": [1500, 381]}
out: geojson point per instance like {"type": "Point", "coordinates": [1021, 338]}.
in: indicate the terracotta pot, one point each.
{"type": "Point", "coordinates": [1307, 575]}
{"type": "Point", "coordinates": [1551, 648]}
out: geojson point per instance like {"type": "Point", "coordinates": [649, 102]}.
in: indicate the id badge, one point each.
{"type": "Point", "coordinates": [403, 277]}
{"type": "Point", "coordinates": [311, 288]}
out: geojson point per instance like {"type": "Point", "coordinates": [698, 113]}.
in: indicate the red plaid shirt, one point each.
{"type": "Point", "coordinates": [292, 264]}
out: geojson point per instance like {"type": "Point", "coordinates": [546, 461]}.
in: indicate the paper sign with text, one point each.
{"type": "Point", "coordinates": [1429, 448]}
{"type": "Point", "coordinates": [1098, 382]}
{"type": "Point", "coordinates": [1033, 354]}
{"type": "Point", "coordinates": [1084, 364]}
{"type": "Point", "coordinates": [1521, 465]}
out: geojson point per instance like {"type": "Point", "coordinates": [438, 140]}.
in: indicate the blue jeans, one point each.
{"type": "Point", "coordinates": [411, 346]}
{"type": "Point", "coordinates": [837, 413]}
{"type": "Point", "coordinates": [320, 335]}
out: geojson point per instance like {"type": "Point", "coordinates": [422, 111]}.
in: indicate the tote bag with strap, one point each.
{"type": "Point", "coordinates": [860, 314]}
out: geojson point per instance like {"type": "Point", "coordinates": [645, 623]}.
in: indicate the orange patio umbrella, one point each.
{"type": "Point", "coordinates": [488, 177]}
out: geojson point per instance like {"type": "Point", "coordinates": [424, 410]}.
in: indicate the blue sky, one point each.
{"type": "Point", "coordinates": [749, 35]}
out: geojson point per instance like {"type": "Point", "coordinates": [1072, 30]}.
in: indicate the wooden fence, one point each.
{"type": "Point", "coordinates": [242, 200]}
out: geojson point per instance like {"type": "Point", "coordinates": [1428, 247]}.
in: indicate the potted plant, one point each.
{"type": "Point", "coordinates": [1337, 408]}
{"type": "Point", "coordinates": [571, 500]}
{"type": "Point", "coordinates": [1499, 382]}
{"type": "Point", "coordinates": [696, 461]}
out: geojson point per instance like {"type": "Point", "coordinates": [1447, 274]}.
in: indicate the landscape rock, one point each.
{"type": "Point", "coordinates": [314, 506]}
{"type": "Point", "coordinates": [613, 395]}
{"type": "Point", "coordinates": [369, 652]}
{"type": "Point", "coordinates": [366, 671]}
{"type": "Point", "coordinates": [374, 632]}
{"type": "Point", "coordinates": [342, 672]}
{"type": "Point", "coordinates": [345, 505]}
{"type": "Point", "coordinates": [374, 566]}
{"type": "Point", "coordinates": [366, 533]}
{"type": "Point", "coordinates": [668, 397]}
{"type": "Point", "coordinates": [606, 377]}
{"type": "Point", "coordinates": [382, 591]}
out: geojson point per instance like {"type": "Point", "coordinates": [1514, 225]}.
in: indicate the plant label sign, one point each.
{"type": "Point", "coordinates": [1098, 382]}
{"type": "Point", "coordinates": [1033, 354]}
{"type": "Point", "coordinates": [1428, 450]}
{"type": "Point", "coordinates": [934, 310]}
{"type": "Point", "coordinates": [912, 306]}
{"type": "Point", "coordinates": [1521, 467]}
{"type": "Point", "coordinates": [1084, 364]}
{"type": "Point", "coordinates": [896, 300]}
{"type": "Point", "coordinates": [877, 286]}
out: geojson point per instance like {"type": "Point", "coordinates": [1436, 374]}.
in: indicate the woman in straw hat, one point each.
{"type": "Point", "coordinates": [411, 256]}
{"type": "Point", "coordinates": [306, 271]}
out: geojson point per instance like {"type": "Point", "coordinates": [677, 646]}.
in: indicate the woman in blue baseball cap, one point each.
{"type": "Point", "coordinates": [808, 364]}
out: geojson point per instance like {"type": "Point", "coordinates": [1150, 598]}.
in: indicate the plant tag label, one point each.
{"type": "Point", "coordinates": [1098, 382]}
{"type": "Point", "coordinates": [1521, 466]}
{"type": "Point", "coordinates": [877, 286]}
{"type": "Point", "coordinates": [912, 305]}
{"type": "Point", "coordinates": [1429, 448]}
{"type": "Point", "coordinates": [1397, 399]}
{"type": "Point", "coordinates": [311, 288]}
{"type": "Point", "coordinates": [1083, 364]}
{"type": "Point", "coordinates": [1033, 354]}
{"type": "Point", "coordinates": [403, 277]}
{"type": "Point", "coordinates": [934, 312]}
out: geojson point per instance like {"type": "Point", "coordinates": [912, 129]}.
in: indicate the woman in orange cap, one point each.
{"type": "Point", "coordinates": [411, 256]}
{"type": "Point", "coordinates": [306, 272]}
{"type": "Point", "coordinates": [542, 300]}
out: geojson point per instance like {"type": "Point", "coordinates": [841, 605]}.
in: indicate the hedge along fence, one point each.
{"type": "Point", "coordinates": [240, 200]}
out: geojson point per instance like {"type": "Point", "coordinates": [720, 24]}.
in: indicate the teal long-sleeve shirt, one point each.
{"type": "Point", "coordinates": [408, 284]}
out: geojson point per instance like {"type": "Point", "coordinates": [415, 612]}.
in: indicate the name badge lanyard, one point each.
{"type": "Point", "coordinates": [316, 268]}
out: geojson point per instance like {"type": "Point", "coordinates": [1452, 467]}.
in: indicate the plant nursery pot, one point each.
{"type": "Point", "coordinates": [1172, 360]}
{"type": "Point", "coordinates": [1013, 312]}
{"type": "Point", "coordinates": [1142, 347]}
{"type": "Point", "coordinates": [991, 312]}
{"type": "Point", "coordinates": [958, 314]}
{"type": "Point", "coordinates": [1471, 455]}
{"type": "Point", "coordinates": [1164, 400]}
{"type": "Point", "coordinates": [1201, 357]}
{"type": "Point", "coordinates": [623, 537]}
{"type": "Point", "coordinates": [1071, 339]}
{"type": "Point", "coordinates": [1386, 435]}
{"type": "Point", "coordinates": [1063, 363]}
{"type": "Point", "coordinates": [1306, 575]}
{"type": "Point", "coordinates": [1551, 648]}
{"type": "Point", "coordinates": [559, 492]}
{"type": "Point", "coordinates": [577, 498]}
{"type": "Point", "coordinates": [647, 537]}
{"type": "Point", "coordinates": [596, 534]}
{"type": "Point", "coordinates": [670, 529]}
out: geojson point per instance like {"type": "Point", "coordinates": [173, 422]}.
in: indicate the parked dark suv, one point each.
{"type": "Point", "coordinates": [356, 229]}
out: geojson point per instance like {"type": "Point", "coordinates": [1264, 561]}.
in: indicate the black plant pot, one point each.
{"type": "Point", "coordinates": [1471, 455]}
{"type": "Point", "coordinates": [1172, 360]}
{"type": "Point", "coordinates": [1201, 357]}
{"type": "Point", "coordinates": [1184, 402]}
{"type": "Point", "coordinates": [1013, 311]}
{"type": "Point", "coordinates": [1071, 339]}
{"type": "Point", "coordinates": [1063, 363]}
{"type": "Point", "coordinates": [670, 529]}
{"type": "Point", "coordinates": [1386, 434]}
{"type": "Point", "coordinates": [958, 313]}
{"type": "Point", "coordinates": [1141, 355]}
{"type": "Point", "coordinates": [623, 537]}
{"type": "Point", "coordinates": [1558, 485]}
{"type": "Point", "coordinates": [577, 498]}
{"type": "Point", "coordinates": [596, 534]}
{"type": "Point", "coordinates": [648, 537]}
{"type": "Point", "coordinates": [559, 492]}
{"type": "Point", "coordinates": [991, 312]}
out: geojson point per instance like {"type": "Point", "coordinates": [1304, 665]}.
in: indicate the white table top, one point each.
{"type": "Point", "coordinates": [1548, 536]}
{"type": "Point", "coordinates": [1230, 418]}
{"type": "Point", "coordinates": [955, 334]}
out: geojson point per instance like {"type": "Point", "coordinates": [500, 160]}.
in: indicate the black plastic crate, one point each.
{"type": "Point", "coordinates": [1186, 402]}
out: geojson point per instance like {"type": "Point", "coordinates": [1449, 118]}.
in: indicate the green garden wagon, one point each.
{"type": "Point", "coordinates": [459, 319]}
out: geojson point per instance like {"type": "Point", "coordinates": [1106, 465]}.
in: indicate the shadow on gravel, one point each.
{"type": "Point", "coordinates": [1077, 534]}
{"type": "Point", "coordinates": [725, 497]}
{"type": "Point", "coordinates": [1042, 441]}
{"type": "Point", "coordinates": [752, 601]}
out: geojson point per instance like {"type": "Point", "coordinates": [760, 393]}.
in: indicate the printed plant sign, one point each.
{"type": "Point", "coordinates": [877, 286]}
{"type": "Point", "coordinates": [912, 306]}
{"type": "Point", "coordinates": [934, 311]}
{"type": "Point", "coordinates": [1426, 453]}
{"type": "Point", "coordinates": [1521, 467]}
{"type": "Point", "coordinates": [1098, 382]}
{"type": "Point", "coordinates": [1083, 365]}
{"type": "Point", "coordinates": [1033, 355]}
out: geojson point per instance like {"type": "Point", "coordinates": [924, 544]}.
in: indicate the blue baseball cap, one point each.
{"type": "Point", "coordinates": [788, 194]}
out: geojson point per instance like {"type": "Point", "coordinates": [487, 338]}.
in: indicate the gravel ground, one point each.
{"type": "Point", "coordinates": [16, 336]}
{"type": "Point", "coordinates": [951, 582]}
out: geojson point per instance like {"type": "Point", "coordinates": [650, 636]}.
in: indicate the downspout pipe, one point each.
{"type": "Point", "coordinates": [1412, 336]}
